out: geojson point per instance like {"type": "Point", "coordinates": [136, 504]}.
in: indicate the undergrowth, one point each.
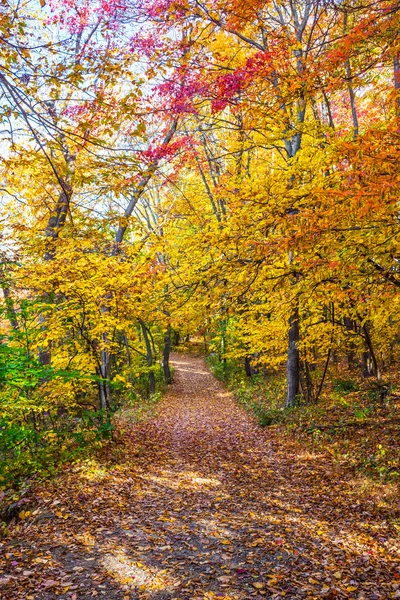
{"type": "Point", "coordinates": [38, 439]}
{"type": "Point", "coordinates": [359, 432]}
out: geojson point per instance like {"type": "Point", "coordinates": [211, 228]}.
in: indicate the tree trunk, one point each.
{"type": "Point", "coordinates": [128, 358]}
{"type": "Point", "coordinates": [366, 364]}
{"type": "Point", "coordinates": [54, 225]}
{"type": "Point", "coordinates": [166, 352]}
{"type": "Point", "coordinates": [352, 97]}
{"type": "Point", "coordinates": [375, 365]}
{"type": "Point", "coordinates": [349, 77]}
{"type": "Point", "coordinates": [351, 356]}
{"type": "Point", "coordinates": [293, 362]}
{"type": "Point", "coordinates": [247, 366]}
{"type": "Point", "coordinates": [396, 73]}
{"type": "Point", "coordinates": [149, 358]}
{"type": "Point", "coordinates": [102, 396]}
{"type": "Point", "coordinates": [105, 372]}
{"type": "Point", "coordinates": [10, 310]}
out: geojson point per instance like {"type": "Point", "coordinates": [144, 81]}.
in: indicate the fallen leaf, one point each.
{"type": "Point", "coordinates": [258, 585]}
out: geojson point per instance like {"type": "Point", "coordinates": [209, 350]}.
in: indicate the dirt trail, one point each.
{"type": "Point", "coordinates": [201, 503]}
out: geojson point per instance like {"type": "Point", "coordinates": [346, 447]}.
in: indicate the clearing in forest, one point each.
{"type": "Point", "coordinates": [200, 502]}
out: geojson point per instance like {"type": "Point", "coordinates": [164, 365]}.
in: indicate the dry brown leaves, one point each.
{"type": "Point", "coordinates": [200, 503]}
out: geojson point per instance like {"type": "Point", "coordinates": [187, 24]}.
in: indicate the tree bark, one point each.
{"type": "Point", "coordinates": [351, 357]}
{"type": "Point", "coordinates": [128, 358]}
{"type": "Point", "coordinates": [149, 358]}
{"type": "Point", "coordinates": [54, 225]}
{"type": "Point", "coordinates": [247, 366]}
{"type": "Point", "coordinates": [374, 360]}
{"type": "Point", "coordinates": [349, 77]}
{"type": "Point", "coordinates": [293, 360]}
{"type": "Point", "coordinates": [166, 353]}
{"type": "Point", "coordinates": [396, 74]}
{"type": "Point", "coordinates": [177, 338]}
{"type": "Point", "coordinates": [105, 372]}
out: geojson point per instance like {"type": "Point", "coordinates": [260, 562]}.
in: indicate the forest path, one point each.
{"type": "Point", "coordinates": [200, 502]}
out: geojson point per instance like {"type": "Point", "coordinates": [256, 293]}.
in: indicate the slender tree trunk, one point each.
{"type": "Point", "coordinates": [351, 357]}
{"type": "Point", "coordinates": [222, 357]}
{"type": "Point", "coordinates": [326, 110]}
{"type": "Point", "coordinates": [149, 357]}
{"type": "Point", "coordinates": [102, 396]}
{"type": "Point", "coordinates": [128, 358]}
{"type": "Point", "coordinates": [349, 77]}
{"type": "Point", "coordinates": [374, 360]}
{"type": "Point", "coordinates": [177, 338]}
{"type": "Point", "coordinates": [293, 361]}
{"type": "Point", "coordinates": [54, 225]}
{"type": "Point", "coordinates": [208, 190]}
{"type": "Point", "coordinates": [11, 314]}
{"type": "Point", "coordinates": [205, 342]}
{"type": "Point", "coordinates": [247, 366]}
{"type": "Point", "coordinates": [293, 145]}
{"type": "Point", "coordinates": [44, 353]}
{"type": "Point", "coordinates": [366, 366]}
{"type": "Point", "coordinates": [352, 97]}
{"type": "Point", "coordinates": [166, 353]}
{"type": "Point", "coordinates": [306, 383]}
{"type": "Point", "coordinates": [396, 73]}
{"type": "Point", "coordinates": [105, 373]}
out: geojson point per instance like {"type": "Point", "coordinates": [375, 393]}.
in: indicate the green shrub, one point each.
{"type": "Point", "coordinates": [36, 434]}
{"type": "Point", "coordinates": [344, 386]}
{"type": "Point", "coordinates": [223, 370]}
{"type": "Point", "coordinates": [268, 416]}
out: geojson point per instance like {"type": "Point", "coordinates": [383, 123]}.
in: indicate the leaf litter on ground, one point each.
{"type": "Point", "coordinates": [199, 502]}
